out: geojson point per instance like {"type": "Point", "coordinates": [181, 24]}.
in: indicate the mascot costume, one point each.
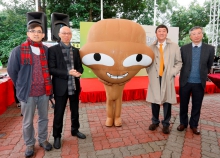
{"type": "Point", "coordinates": [115, 51]}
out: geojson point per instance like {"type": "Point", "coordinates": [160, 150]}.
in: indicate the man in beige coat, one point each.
{"type": "Point", "coordinates": [161, 90]}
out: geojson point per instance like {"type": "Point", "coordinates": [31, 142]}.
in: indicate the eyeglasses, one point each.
{"type": "Point", "coordinates": [66, 33]}
{"type": "Point", "coordinates": [35, 31]}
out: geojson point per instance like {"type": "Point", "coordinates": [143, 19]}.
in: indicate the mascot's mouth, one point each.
{"type": "Point", "coordinates": [117, 77]}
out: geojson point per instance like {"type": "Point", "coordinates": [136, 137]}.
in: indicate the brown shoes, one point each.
{"type": "Point", "coordinates": [195, 130]}
{"type": "Point", "coordinates": [166, 129]}
{"type": "Point", "coordinates": [181, 127]}
{"type": "Point", "coordinates": [152, 127]}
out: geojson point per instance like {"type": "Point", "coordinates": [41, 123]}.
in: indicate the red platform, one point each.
{"type": "Point", "coordinates": [136, 89]}
{"type": "Point", "coordinates": [215, 78]}
{"type": "Point", "coordinates": [6, 94]}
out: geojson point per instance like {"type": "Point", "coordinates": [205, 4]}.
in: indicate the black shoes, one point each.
{"type": "Point", "coordinates": [152, 127]}
{"type": "Point", "coordinates": [79, 135]}
{"type": "Point", "coordinates": [29, 151]}
{"type": "Point", "coordinates": [166, 129]}
{"type": "Point", "coordinates": [46, 145]}
{"type": "Point", "coordinates": [57, 143]}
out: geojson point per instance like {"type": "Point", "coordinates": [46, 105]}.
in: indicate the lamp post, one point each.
{"type": "Point", "coordinates": [36, 2]}
{"type": "Point", "coordinates": [155, 11]}
{"type": "Point", "coordinates": [101, 9]}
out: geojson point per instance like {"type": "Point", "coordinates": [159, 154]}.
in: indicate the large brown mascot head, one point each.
{"type": "Point", "coordinates": [116, 50]}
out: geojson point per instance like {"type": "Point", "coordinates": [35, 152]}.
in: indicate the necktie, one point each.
{"type": "Point", "coordinates": [161, 60]}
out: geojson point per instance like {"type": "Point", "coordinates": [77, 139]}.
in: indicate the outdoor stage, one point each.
{"type": "Point", "coordinates": [136, 89]}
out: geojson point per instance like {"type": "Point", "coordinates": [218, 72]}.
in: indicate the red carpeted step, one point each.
{"type": "Point", "coordinates": [136, 89]}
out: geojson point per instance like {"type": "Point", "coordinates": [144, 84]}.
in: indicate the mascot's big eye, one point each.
{"type": "Point", "coordinates": [137, 59]}
{"type": "Point", "coordinates": [98, 58]}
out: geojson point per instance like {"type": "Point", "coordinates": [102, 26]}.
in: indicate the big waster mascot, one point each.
{"type": "Point", "coordinates": [116, 50]}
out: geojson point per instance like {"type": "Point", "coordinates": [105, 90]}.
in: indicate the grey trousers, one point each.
{"type": "Point", "coordinates": [28, 110]}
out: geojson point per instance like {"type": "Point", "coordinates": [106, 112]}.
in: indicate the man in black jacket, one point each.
{"type": "Point", "coordinates": [66, 68]}
{"type": "Point", "coordinates": [197, 58]}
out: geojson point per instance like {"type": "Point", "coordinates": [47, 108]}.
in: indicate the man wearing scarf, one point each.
{"type": "Point", "coordinates": [66, 68]}
{"type": "Point", "coordinates": [28, 69]}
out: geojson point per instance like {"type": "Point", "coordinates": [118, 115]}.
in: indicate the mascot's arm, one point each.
{"type": "Point", "coordinates": [110, 84]}
{"type": "Point", "coordinates": [123, 83]}
{"type": "Point", "coordinates": [106, 83]}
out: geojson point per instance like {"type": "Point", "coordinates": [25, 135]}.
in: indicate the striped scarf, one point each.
{"type": "Point", "coordinates": [26, 59]}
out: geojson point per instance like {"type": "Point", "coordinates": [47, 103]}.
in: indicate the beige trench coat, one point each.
{"type": "Point", "coordinates": [173, 64]}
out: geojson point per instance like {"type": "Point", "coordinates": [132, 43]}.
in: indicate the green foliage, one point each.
{"type": "Point", "coordinates": [13, 19]}
{"type": "Point", "coordinates": [147, 16]}
{"type": "Point", "coordinates": [164, 11]}
{"type": "Point", "coordinates": [185, 19]}
{"type": "Point", "coordinates": [90, 11]}
{"type": "Point", "coordinates": [13, 29]}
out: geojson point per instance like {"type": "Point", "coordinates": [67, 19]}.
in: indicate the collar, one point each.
{"type": "Point", "coordinates": [65, 46]}
{"type": "Point", "coordinates": [164, 44]}
{"type": "Point", "coordinates": [199, 45]}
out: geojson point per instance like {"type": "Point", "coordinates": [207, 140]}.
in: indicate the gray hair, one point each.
{"type": "Point", "coordinates": [194, 28]}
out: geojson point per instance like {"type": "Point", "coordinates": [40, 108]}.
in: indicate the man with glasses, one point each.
{"type": "Point", "coordinates": [66, 68]}
{"type": "Point", "coordinates": [28, 69]}
{"type": "Point", "coordinates": [197, 60]}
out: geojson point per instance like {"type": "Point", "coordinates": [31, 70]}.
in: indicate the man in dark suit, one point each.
{"type": "Point", "coordinates": [197, 58]}
{"type": "Point", "coordinates": [65, 66]}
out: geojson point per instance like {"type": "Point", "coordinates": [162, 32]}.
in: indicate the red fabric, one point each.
{"type": "Point", "coordinates": [136, 89]}
{"type": "Point", "coordinates": [93, 90]}
{"type": "Point", "coordinates": [176, 83]}
{"type": "Point", "coordinates": [215, 78]}
{"type": "Point", "coordinates": [210, 87]}
{"type": "Point", "coordinates": [6, 94]}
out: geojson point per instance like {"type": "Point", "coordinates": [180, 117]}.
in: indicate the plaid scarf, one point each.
{"type": "Point", "coordinates": [26, 59]}
{"type": "Point", "coordinates": [68, 57]}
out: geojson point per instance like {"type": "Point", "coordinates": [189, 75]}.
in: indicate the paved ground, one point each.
{"type": "Point", "coordinates": [132, 140]}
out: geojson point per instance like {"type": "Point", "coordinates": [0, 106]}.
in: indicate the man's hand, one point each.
{"type": "Point", "coordinates": [74, 73]}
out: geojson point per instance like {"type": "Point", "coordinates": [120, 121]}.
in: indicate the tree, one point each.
{"type": "Point", "coordinates": [147, 16]}
{"type": "Point", "coordinates": [164, 10]}
{"type": "Point", "coordinates": [90, 11]}
{"type": "Point", "coordinates": [13, 28]}
{"type": "Point", "coordinates": [185, 19]}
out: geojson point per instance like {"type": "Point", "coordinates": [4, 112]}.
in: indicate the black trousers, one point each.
{"type": "Point", "coordinates": [59, 109]}
{"type": "Point", "coordinates": [166, 113]}
{"type": "Point", "coordinates": [197, 92]}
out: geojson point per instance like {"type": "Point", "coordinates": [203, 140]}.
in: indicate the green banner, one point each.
{"type": "Point", "coordinates": [84, 29]}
